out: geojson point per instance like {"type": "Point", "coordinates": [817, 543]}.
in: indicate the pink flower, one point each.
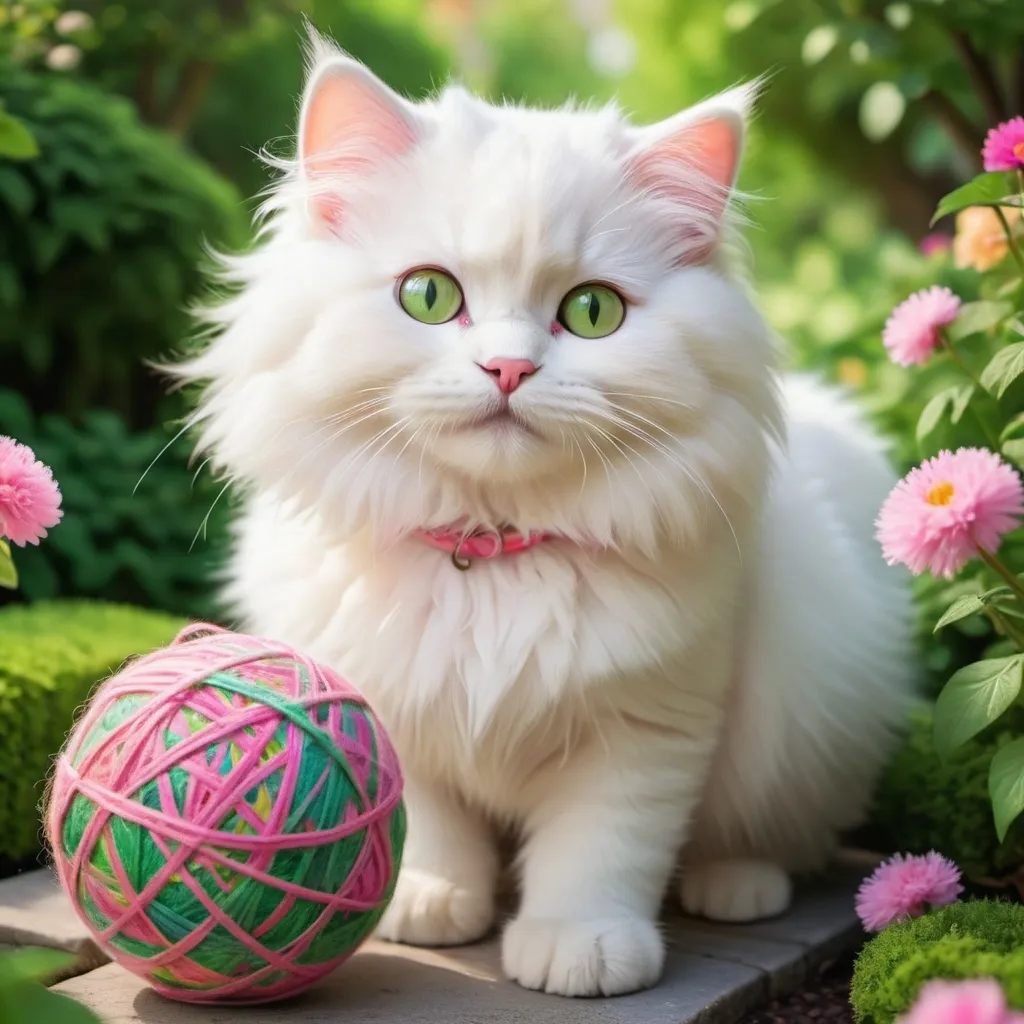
{"type": "Point", "coordinates": [905, 887]}
{"type": "Point", "coordinates": [977, 1001]}
{"type": "Point", "coordinates": [936, 242]}
{"type": "Point", "coordinates": [29, 496]}
{"type": "Point", "coordinates": [940, 514]}
{"type": "Point", "coordinates": [912, 330]}
{"type": "Point", "coordinates": [1004, 146]}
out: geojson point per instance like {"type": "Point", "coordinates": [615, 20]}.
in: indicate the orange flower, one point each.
{"type": "Point", "coordinates": [852, 372]}
{"type": "Point", "coordinates": [980, 240]}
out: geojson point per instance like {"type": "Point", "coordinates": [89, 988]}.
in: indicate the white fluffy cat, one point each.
{"type": "Point", "coordinates": [687, 651]}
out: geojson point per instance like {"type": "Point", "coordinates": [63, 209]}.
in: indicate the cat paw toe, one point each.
{"type": "Point", "coordinates": [735, 890]}
{"type": "Point", "coordinates": [432, 911]}
{"type": "Point", "coordinates": [603, 957]}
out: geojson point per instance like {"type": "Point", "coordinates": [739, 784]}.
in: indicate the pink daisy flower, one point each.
{"type": "Point", "coordinates": [977, 1001]}
{"type": "Point", "coordinates": [1004, 146]}
{"type": "Point", "coordinates": [905, 887]}
{"type": "Point", "coordinates": [940, 514]}
{"type": "Point", "coordinates": [912, 331]}
{"type": "Point", "coordinates": [29, 496]}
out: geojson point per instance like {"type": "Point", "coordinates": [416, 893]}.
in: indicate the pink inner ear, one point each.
{"type": "Point", "coordinates": [694, 167]}
{"type": "Point", "coordinates": [349, 126]}
{"type": "Point", "coordinates": [712, 148]}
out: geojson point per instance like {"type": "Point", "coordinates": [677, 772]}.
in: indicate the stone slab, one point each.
{"type": "Point", "coordinates": [820, 926]}
{"type": "Point", "coordinates": [714, 974]}
{"type": "Point", "coordinates": [386, 984]}
{"type": "Point", "coordinates": [35, 912]}
{"type": "Point", "coordinates": [821, 919]}
{"type": "Point", "coordinates": [785, 964]}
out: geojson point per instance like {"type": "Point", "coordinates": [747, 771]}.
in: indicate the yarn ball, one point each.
{"type": "Point", "coordinates": [227, 818]}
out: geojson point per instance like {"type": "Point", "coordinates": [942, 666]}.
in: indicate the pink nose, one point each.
{"type": "Point", "coordinates": [508, 374]}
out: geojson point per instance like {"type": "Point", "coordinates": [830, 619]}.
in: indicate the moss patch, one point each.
{"type": "Point", "coordinates": [976, 939]}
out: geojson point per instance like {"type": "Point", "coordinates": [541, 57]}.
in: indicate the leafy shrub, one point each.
{"type": "Point", "coordinates": [101, 237]}
{"type": "Point", "coordinates": [51, 656]}
{"type": "Point", "coordinates": [977, 939]}
{"type": "Point", "coordinates": [924, 803]}
{"type": "Point", "coordinates": [129, 535]}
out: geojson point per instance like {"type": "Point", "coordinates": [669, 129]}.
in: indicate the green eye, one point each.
{"type": "Point", "coordinates": [592, 311]}
{"type": "Point", "coordinates": [430, 296]}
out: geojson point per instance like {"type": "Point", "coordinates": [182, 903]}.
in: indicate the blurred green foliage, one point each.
{"type": "Point", "coordinates": [140, 525]}
{"type": "Point", "coordinates": [24, 974]}
{"type": "Point", "coordinates": [101, 246]}
{"type": "Point", "coordinates": [926, 803]}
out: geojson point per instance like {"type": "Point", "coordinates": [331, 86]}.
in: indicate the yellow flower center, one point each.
{"type": "Point", "coordinates": [940, 494]}
{"type": "Point", "coordinates": [1018, 151]}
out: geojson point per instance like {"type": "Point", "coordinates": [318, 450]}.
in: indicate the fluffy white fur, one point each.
{"type": "Point", "coordinates": [706, 668]}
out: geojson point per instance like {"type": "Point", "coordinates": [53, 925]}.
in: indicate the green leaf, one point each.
{"type": "Point", "coordinates": [16, 141]}
{"type": "Point", "coordinates": [1003, 369]}
{"type": "Point", "coordinates": [15, 190]}
{"type": "Point", "coordinates": [1014, 450]}
{"type": "Point", "coordinates": [976, 317]}
{"type": "Point", "coordinates": [984, 190]}
{"type": "Point", "coordinates": [80, 217]}
{"type": "Point", "coordinates": [932, 413]}
{"type": "Point", "coordinates": [1011, 428]}
{"type": "Point", "coordinates": [31, 963]}
{"type": "Point", "coordinates": [35, 1003]}
{"type": "Point", "coordinates": [8, 572]}
{"type": "Point", "coordinates": [969, 604]}
{"type": "Point", "coordinates": [960, 402]}
{"type": "Point", "coordinates": [974, 698]}
{"type": "Point", "coordinates": [1006, 785]}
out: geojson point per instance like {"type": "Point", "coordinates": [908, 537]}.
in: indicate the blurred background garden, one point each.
{"type": "Point", "coordinates": [130, 135]}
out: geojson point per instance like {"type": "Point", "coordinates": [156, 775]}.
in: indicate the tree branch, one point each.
{"type": "Point", "coordinates": [145, 88]}
{"type": "Point", "coordinates": [233, 11]}
{"type": "Point", "coordinates": [1017, 87]}
{"type": "Point", "coordinates": [193, 84]}
{"type": "Point", "coordinates": [966, 136]}
{"type": "Point", "coordinates": [983, 76]}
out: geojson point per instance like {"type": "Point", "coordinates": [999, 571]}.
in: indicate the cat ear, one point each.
{"type": "Point", "coordinates": [351, 123]}
{"type": "Point", "coordinates": [692, 160]}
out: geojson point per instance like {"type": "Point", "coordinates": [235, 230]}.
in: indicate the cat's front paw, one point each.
{"type": "Point", "coordinates": [735, 890]}
{"type": "Point", "coordinates": [431, 911]}
{"type": "Point", "coordinates": [603, 957]}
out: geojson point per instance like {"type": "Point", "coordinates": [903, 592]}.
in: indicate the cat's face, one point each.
{"type": "Point", "coordinates": [463, 299]}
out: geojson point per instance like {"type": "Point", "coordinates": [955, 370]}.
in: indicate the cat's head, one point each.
{"type": "Point", "coordinates": [463, 311]}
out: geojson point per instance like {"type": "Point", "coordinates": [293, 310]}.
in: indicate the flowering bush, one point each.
{"type": "Point", "coordinates": [960, 942]}
{"type": "Point", "coordinates": [29, 503]}
{"type": "Point", "coordinates": [957, 515]}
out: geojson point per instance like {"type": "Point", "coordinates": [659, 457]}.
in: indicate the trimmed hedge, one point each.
{"type": "Point", "coordinates": [924, 803]}
{"type": "Point", "coordinates": [976, 939]}
{"type": "Point", "coordinates": [51, 657]}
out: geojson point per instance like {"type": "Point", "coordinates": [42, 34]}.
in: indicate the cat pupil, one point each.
{"type": "Point", "coordinates": [594, 308]}
{"type": "Point", "coordinates": [431, 293]}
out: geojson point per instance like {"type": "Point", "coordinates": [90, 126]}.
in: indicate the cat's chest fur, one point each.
{"type": "Point", "coordinates": [498, 669]}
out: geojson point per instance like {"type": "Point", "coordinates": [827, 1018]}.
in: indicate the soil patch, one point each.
{"type": "Point", "coordinates": [824, 997]}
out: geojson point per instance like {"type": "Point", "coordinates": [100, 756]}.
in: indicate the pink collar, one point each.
{"type": "Point", "coordinates": [466, 546]}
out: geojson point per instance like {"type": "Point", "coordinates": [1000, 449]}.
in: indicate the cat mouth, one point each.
{"type": "Point", "coordinates": [501, 421]}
